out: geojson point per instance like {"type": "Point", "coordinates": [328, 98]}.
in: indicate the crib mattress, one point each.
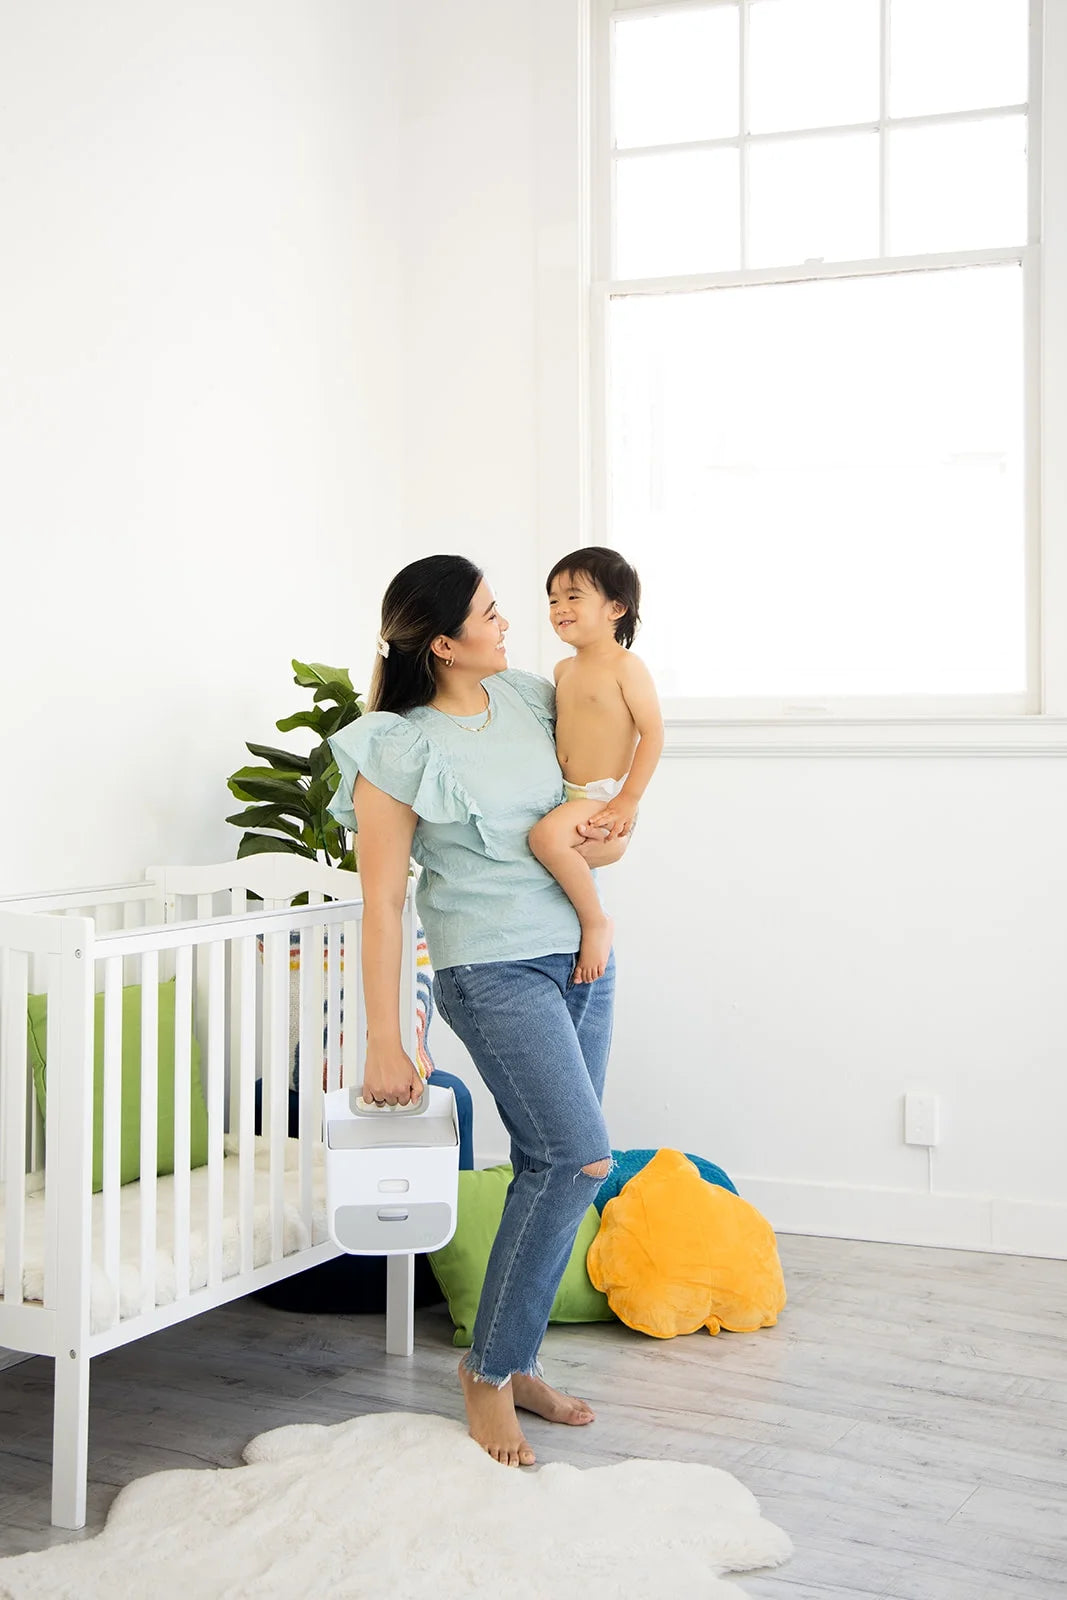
{"type": "Point", "coordinates": [127, 1292]}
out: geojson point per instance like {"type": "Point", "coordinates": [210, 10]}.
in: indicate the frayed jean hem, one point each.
{"type": "Point", "coordinates": [472, 1364]}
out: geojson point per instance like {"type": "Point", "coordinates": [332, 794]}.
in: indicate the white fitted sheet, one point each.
{"type": "Point", "coordinates": [296, 1234]}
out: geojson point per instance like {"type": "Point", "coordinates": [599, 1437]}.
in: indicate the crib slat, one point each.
{"type": "Point", "coordinates": [276, 1077]}
{"type": "Point", "coordinates": [112, 1116]}
{"type": "Point", "coordinates": [235, 903]}
{"type": "Point", "coordinates": [333, 1008]}
{"type": "Point", "coordinates": [205, 911]}
{"type": "Point", "coordinates": [245, 956]}
{"type": "Point", "coordinates": [216, 1068]}
{"type": "Point", "coordinates": [14, 977]}
{"type": "Point", "coordinates": [149, 1123]}
{"type": "Point", "coordinates": [237, 908]}
{"type": "Point", "coordinates": [183, 1005]}
{"type": "Point", "coordinates": [311, 952]}
{"type": "Point", "coordinates": [68, 1210]}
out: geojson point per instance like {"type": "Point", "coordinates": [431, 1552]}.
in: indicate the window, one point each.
{"type": "Point", "coordinates": [817, 301]}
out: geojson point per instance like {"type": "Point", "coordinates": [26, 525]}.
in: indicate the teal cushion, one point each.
{"type": "Point", "coordinates": [460, 1266]}
{"type": "Point", "coordinates": [130, 1093]}
{"type": "Point", "coordinates": [628, 1163]}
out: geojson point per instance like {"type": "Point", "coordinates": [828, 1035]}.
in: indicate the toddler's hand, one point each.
{"type": "Point", "coordinates": [618, 817]}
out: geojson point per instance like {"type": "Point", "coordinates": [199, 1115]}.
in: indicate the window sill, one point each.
{"type": "Point", "coordinates": [854, 736]}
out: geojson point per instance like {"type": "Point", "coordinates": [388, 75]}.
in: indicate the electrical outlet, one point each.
{"type": "Point", "coordinates": [921, 1119]}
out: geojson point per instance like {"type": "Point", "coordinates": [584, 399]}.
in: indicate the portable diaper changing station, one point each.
{"type": "Point", "coordinates": [392, 1173]}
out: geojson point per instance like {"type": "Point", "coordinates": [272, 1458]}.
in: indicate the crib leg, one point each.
{"type": "Point", "coordinates": [70, 1440]}
{"type": "Point", "coordinates": [400, 1305]}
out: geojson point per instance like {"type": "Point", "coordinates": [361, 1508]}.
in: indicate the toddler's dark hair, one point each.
{"type": "Point", "coordinates": [614, 577]}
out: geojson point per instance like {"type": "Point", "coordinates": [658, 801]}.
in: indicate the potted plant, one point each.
{"type": "Point", "coordinates": [290, 795]}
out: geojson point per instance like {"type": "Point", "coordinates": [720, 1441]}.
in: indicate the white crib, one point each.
{"type": "Point", "coordinates": [83, 1273]}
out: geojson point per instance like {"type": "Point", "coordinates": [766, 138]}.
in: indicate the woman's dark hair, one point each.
{"type": "Point", "coordinates": [614, 577]}
{"type": "Point", "coordinates": [427, 598]}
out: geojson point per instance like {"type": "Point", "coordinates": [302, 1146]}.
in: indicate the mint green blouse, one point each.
{"type": "Point", "coordinates": [481, 894]}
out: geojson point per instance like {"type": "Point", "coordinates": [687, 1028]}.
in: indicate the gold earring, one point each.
{"type": "Point", "coordinates": [448, 661]}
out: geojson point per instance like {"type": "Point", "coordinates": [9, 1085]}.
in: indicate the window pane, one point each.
{"type": "Point", "coordinates": [957, 186]}
{"type": "Point", "coordinates": [956, 55]}
{"type": "Point", "coordinates": [677, 213]}
{"type": "Point", "coordinates": [676, 77]}
{"type": "Point", "coordinates": [812, 63]}
{"type": "Point", "coordinates": [813, 199]}
{"type": "Point", "coordinates": [821, 484]}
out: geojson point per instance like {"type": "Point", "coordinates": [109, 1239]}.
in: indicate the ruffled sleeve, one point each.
{"type": "Point", "coordinates": [537, 694]}
{"type": "Point", "coordinates": [393, 755]}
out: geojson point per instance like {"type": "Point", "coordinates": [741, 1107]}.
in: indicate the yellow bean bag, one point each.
{"type": "Point", "coordinates": [675, 1253]}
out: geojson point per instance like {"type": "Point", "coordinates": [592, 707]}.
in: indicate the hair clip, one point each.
{"type": "Point", "coordinates": [383, 647]}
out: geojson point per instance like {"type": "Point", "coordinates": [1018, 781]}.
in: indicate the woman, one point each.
{"type": "Point", "coordinates": [453, 765]}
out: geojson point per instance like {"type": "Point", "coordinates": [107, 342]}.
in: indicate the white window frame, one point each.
{"type": "Point", "coordinates": [910, 724]}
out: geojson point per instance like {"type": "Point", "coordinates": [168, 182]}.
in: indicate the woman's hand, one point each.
{"type": "Point", "coordinates": [597, 850]}
{"type": "Point", "coordinates": [390, 1078]}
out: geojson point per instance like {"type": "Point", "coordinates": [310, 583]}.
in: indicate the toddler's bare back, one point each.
{"type": "Point", "coordinates": [595, 733]}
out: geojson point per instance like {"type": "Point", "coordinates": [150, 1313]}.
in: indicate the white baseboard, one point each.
{"type": "Point", "coordinates": [903, 1216]}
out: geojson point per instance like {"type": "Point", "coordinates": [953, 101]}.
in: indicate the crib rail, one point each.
{"type": "Point", "coordinates": [83, 1271]}
{"type": "Point", "coordinates": [248, 989]}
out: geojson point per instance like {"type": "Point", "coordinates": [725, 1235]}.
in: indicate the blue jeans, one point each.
{"type": "Point", "coordinates": [541, 1047]}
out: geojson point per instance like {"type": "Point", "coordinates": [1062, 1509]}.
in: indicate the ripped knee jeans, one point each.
{"type": "Point", "coordinates": [541, 1047]}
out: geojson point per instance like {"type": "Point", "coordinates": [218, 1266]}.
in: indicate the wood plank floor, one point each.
{"type": "Point", "coordinates": [906, 1421]}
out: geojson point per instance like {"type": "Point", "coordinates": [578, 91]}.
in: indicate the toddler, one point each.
{"type": "Point", "coordinates": [607, 722]}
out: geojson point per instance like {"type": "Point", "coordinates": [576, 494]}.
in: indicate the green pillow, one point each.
{"type": "Point", "coordinates": [130, 1094]}
{"type": "Point", "coordinates": [460, 1267]}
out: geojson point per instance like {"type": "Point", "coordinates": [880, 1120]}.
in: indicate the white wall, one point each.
{"type": "Point", "coordinates": [836, 932]}
{"type": "Point", "coordinates": [291, 297]}
{"type": "Point", "coordinates": [469, 310]}
{"type": "Point", "coordinates": [199, 393]}
{"type": "Point", "coordinates": [800, 939]}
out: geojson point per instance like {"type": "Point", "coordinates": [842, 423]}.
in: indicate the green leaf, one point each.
{"type": "Point", "coordinates": [335, 692]}
{"type": "Point", "coordinates": [262, 844]}
{"type": "Point", "coordinates": [282, 760]}
{"type": "Point", "coordinates": [291, 797]}
{"type": "Point", "coordinates": [304, 719]}
{"type": "Point", "coordinates": [318, 799]}
{"type": "Point", "coordinates": [348, 714]}
{"type": "Point", "coordinates": [332, 778]}
{"type": "Point", "coordinates": [276, 774]}
{"type": "Point", "coordinates": [309, 674]}
{"type": "Point", "coordinates": [320, 761]}
{"type": "Point", "coordinates": [334, 720]}
{"type": "Point", "coordinates": [265, 817]}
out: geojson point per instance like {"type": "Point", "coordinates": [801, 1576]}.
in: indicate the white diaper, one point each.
{"type": "Point", "coordinates": [601, 789]}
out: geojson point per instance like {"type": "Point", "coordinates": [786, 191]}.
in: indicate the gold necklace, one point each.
{"type": "Point", "coordinates": [481, 726]}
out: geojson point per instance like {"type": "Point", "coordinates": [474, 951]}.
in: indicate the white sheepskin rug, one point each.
{"type": "Point", "coordinates": [405, 1507]}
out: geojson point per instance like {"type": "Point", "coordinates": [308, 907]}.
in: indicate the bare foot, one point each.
{"type": "Point", "coordinates": [492, 1422]}
{"type": "Point", "coordinates": [534, 1394]}
{"type": "Point", "coordinates": [595, 950]}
